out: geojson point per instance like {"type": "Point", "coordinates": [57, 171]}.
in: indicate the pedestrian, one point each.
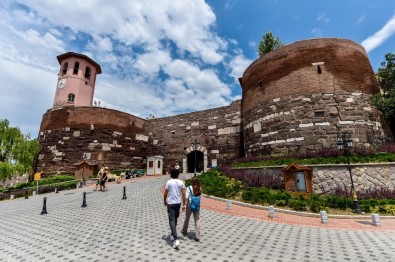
{"type": "Point", "coordinates": [99, 174]}
{"type": "Point", "coordinates": [103, 180]}
{"type": "Point", "coordinates": [193, 190]}
{"type": "Point", "coordinates": [173, 196]}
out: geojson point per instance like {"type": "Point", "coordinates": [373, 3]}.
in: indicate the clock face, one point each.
{"type": "Point", "coordinates": [62, 83]}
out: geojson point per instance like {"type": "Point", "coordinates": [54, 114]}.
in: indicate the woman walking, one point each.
{"type": "Point", "coordinates": [103, 180]}
{"type": "Point", "coordinates": [192, 191]}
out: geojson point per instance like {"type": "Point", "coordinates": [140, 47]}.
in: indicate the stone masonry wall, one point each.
{"type": "Point", "coordinates": [299, 97]}
{"type": "Point", "coordinates": [101, 136]}
{"type": "Point", "coordinates": [217, 130]}
{"type": "Point", "coordinates": [328, 178]}
{"type": "Point", "coordinates": [310, 122]}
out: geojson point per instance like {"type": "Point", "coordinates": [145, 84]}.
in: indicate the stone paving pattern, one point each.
{"type": "Point", "coordinates": [136, 229]}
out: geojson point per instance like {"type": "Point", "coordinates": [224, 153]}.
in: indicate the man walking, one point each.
{"type": "Point", "coordinates": [174, 194]}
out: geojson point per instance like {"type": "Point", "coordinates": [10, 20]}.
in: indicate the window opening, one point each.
{"type": "Point", "coordinates": [76, 67]}
{"type": "Point", "coordinates": [88, 72]}
{"type": "Point", "coordinates": [71, 98]}
{"type": "Point", "coordinates": [319, 71]}
{"type": "Point", "coordinates": [64, 70]}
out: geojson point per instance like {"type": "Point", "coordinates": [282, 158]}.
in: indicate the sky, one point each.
{"type": "Point", "coordinates": [163, 57]}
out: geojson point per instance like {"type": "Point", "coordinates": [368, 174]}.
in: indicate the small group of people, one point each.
{"type": "Point", "coordinates": [175, 195]}
{"type": "Point", "coordinates": [102, 179]}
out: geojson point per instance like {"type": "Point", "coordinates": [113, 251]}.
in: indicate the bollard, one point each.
{"type": "Point", "coordinates": [229, 205]}
{"type": "Point", "coordinates": [26, 193]}
{"type": "Point", "coordinates": [12, 197]}
{"type": "Point", "coordinates": [44, 211]}
{"type": "Point", "coordinates": [271, 212]}
{"type": "Point", "coordinates": [84, 200]}
{"type": "Point", "coordinates": [324, 217]}
{"type": "Point", "coordinates": [56, 190]}
{"type": "Point", "coordinates": [34, 193]}
{"type": "Point", "coordinates": [124, 193]}
{"type": "Point", "coordinates": [375, 220]}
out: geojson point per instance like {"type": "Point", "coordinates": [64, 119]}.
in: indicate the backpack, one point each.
{"type": "Point", "coordinates": [195, 202]}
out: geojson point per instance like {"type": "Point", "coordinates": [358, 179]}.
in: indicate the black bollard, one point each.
{"type": "Point", "coordinates": [26, 193]}
{"type": "Point", "coordinates": [44, 211]}
{"type": "Point", "coordinates": [124, 193]}
{"type": "Point", "coordinates": [84, 201]}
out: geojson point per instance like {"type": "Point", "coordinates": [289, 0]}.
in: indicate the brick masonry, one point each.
{"type": "Point", "coordinates": [301, 95]}
{"type": "Point", "coordinates": [119, 140]}
{"type": "Point", "coordinates": [294, 99]}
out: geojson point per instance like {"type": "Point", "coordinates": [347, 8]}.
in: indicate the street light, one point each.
{"type": "Point", "coordinates": [195, 144]}
{"type": "Point", "coordinates": [344, 141]}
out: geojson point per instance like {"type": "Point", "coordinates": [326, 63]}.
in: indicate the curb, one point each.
{"type": "Point", "coordinates": [296, 213]}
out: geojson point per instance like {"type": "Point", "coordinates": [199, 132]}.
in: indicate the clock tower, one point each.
{"type": "Point", "coordinates": [76, 80]}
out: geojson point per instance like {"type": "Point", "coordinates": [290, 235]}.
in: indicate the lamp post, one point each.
{"type": "Point", "coordinates": [344, 141]}
{"type": "Point", "coordinates": [195, 144]}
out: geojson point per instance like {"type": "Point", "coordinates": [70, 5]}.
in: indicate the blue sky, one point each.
{"type": "Point", "coordinates": [164, 57]}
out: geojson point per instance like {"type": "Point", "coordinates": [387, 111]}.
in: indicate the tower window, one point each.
{"type": "Point", "coordinates": [88, 72]}
{"type": "Point", "coordinates": [64, 70]}
{"type": "Point", "coordinates": [71, 98]}
{"type": "Point", "coordinates": [76, 67]}
{"type": "Point", "coordinates": [319, 71]}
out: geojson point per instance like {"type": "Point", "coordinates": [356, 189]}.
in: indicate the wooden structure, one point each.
{"type": "Point", "coordinates": [298, 178]}
{"type": "Point", "coordinates": [85, 170]}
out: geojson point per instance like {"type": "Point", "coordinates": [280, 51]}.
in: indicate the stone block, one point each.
{"type": "Point", "coordinates": [375, 220]}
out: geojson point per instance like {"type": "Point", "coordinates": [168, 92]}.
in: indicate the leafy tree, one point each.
{"type": "Point", "coordinates": [17, 151]}
{"type": "Point", "coordinates": [268, 43]}
{"type": "Point", "coordinates": [385, 102]}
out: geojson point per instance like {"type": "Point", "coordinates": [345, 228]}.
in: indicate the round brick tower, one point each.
{"type": "Point", "coordinates": [76, 80]}
{"type": "Point", "coordinates": [299, 97]}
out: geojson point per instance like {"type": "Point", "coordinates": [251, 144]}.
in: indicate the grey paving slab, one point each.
{"type": "Point", "coordinates": [136, 229]}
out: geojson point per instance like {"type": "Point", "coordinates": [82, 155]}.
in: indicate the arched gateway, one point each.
{"type": "Point", "coordinates": [195, 159]}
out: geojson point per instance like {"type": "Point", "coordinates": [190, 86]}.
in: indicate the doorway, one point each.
{"type": "Point", "coordinates": [199, 163]}
{"type": "Point", "coordinates": [300, 182]}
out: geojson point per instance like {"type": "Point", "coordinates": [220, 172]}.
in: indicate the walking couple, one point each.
{"type": "Point", "coordinates": [175, 193]}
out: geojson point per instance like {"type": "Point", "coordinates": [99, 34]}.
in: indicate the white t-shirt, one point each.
{"type": "Point", "coordinates": [174, 186]}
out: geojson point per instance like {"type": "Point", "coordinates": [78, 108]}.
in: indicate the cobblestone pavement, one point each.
{"type": "Point", "coordinates": [136, 229]}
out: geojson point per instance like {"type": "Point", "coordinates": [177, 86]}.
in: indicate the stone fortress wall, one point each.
{"type": "Point", "coordinates": [116, 139]}
{"type": "Point", "coordinates": [216, 130]}
{"type": "Point", "coordinates": [295, 98]}
{"type": "Point", "coordinates": [98, 135]}
{"type": "Point", "coordinates": [300, 96]}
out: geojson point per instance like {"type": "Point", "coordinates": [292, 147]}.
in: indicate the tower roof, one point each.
{"type": "Point", "coordinates": [72, 54]}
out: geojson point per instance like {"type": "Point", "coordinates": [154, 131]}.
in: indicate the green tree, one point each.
{"type": "Point", "coordinates": [17, 151]}
{"type": "Point", "coordinates": [268, 43]}
{"type": "Point", "coordinates": [385, 101]}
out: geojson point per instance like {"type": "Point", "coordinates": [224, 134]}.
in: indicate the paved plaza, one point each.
{"type": "Point", "coordinates": [136, 229]}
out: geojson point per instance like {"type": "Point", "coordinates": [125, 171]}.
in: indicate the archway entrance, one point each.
{"type": "Point", "coordinates": [199, 163]}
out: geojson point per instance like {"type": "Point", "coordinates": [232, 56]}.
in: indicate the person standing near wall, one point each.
{"type": "Point", "coordinates": [172, 198]}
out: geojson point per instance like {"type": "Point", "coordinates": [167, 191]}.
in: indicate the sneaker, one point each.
{"type": "Point", "coordinates": [184, 233]}
{"type": "Point", "coordinates": [196, 239]}
{"type": "Point", "coordinates": [176, 243]}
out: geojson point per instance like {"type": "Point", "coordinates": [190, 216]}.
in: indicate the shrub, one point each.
{"type": "Point", "coordinates": [298, 204]}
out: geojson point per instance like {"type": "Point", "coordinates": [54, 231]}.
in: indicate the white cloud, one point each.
{"type": "Point", "coordinates": [322, 18]}
{"type": "Point", "coordinates": [157, 57]}
{"type": "Point", "coordinates": [316, 32]}
{"type": "Point", "coordinates": [238, 65]}
{"type": "Point", "coordinates": [375, 40]}
{"type": "Point", "coordinates": [360, 19]}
